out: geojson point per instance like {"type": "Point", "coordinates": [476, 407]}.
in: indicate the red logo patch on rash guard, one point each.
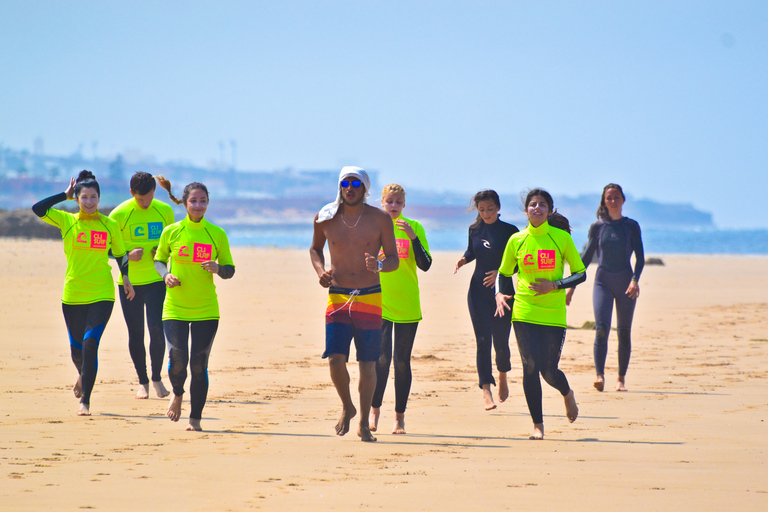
{"type": "Point", "coordinates": [202, 252]}
{"type": "Point", "coordinates": [546, 259]}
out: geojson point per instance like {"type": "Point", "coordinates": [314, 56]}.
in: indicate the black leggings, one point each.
{"type": "Point", "coordinates": [490, 331]}
{"type": "Point", "coordinates": [404, 336]}
{"type": "Point", "coordinates": [610, 287]}
{"type": "Point", "coordinates": [149, 296]}
{"type": "Point", "coordinates": [540, 347]}
{"type": "Point", "coordinates": [179, 355]}
{"type": "Point", "coordinates": [85, 325]}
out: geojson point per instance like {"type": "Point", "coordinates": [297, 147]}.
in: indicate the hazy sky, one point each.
{"type": "Point", "coordinates": [668, 98]}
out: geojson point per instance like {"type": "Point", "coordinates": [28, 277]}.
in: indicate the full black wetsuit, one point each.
{"type": "Point", "coordinates": [486, 245]}
{"type": "Point", "coordinates": [614, 241]}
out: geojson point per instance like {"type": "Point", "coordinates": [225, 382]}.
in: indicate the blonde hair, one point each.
{"type": "Point", "coordinates": [392, 188]}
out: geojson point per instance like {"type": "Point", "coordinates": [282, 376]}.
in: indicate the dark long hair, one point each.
{"type": "Point", "coordinates": [555, 219]}
{"type": "Point", "coordinates": [86, 179]}
{"type": "Point", "coordinates": [166, 184]}
{"type": "Point", "coordinates": [483, 195]}
{"type": "Point", "coordinates": [602, 210]}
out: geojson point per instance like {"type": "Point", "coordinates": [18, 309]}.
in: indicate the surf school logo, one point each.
{"type": "Point", "coordinates": [528, 259]}
{"type": "Point", "coordinates": [546, 259]}
{"type": "Point", "coordinates": [403, 248]}
{"type": "Point", "coordinates": [97, 240]}
{"type": "Point", "coordinates": [155, 230]}
{"type": "Point", "coordinates": [202, 252]}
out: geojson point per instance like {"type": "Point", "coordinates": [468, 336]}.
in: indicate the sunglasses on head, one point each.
{"type": "Point", "coordinates": [354, 183]}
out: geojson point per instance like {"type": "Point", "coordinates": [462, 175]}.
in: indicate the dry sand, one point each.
{"type": "Point", "coordinates": [690, 435]}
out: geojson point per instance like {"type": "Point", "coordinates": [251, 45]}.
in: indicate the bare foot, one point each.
{"type": "Point", "coordinates": [538, 432]}
{"type": "Point", "coordinates": [77, 389]}
{"type": "Point", "coordinates": [143, 392]}
{"type": "Point", "coordinates": [599, 382]}
{"type": "Point", "coordinates": [364, 433]}
{"type": "Point", "coordinates": [373, 421]}
{"type": "Point", "coordinates": [399, 426]}
{"type": "Point", "coordinates": [488, 398]}
{"type": "Point", "coordinates": [620, 384]}
{"type": "Point", "coordinates": [571, 409]}
{"type": "Point", "coordinates": [194, 425]}
{"type": "Point", "coordinates": [342, 427]}
{"type": "Point", "coordinates": [84, 410]}
{"type": "Point", "coordinates": [503, 387]}
{"type": "Point", "coordinates": [160, 390]}
{"type": "Point", "coordinates": [174, 408]}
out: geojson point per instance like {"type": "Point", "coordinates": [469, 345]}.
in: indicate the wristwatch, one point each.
{"type": "Point", "coordinates": [379, 265]}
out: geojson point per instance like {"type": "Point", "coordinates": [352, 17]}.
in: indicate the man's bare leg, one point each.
{"type": "Point", "coordinates": [174, 408]}
{"type": "Point", "coordinates": [399, 427]}
{"type": "Point", "coordinates": [599, 382]}
{"type": "Point", "coordinates": [373, 422]}
{"type": "Point", "coordinates": [503, 387]}
{"type": "Point", "coordinates": [488, 398]}
{"type": "Point", "coordinates": [194, 425]}
{"type": "Point", "coordinates": [143, 392]}
{"type": "Point", "coordinates": [340, 379]}
{"type": "Point", "coordinates": [621, 383]}
{"type": "Point", "coordinates": [84, 410]}
{"type": "Point", "coordinates": [160, 389]}
{"type": "Point", "coordinates": [571, 409]}
{"type": "Point", "coordinates": [77, 389]}
{"type": "Point", "coordinates": [538, 432]}
{"type": "Point", "coordinates": [367, 387]}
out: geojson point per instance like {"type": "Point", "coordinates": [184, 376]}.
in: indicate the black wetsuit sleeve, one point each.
{"type": "Point", "coordinates": [469, 254]}
{"type": "Point", "coordinates": [42, 207]}
{"type": "Point", "coordinates": [422, 256]}
{"type": "Point", "coordinates": [505, 285]}
{"type": "Point", "coordinates": [592, 241]}
{"type": "Point", "coordinates": [226, 271]}
{"type": "Point", "coordinates": [571, 281]}
{"type": "Point", "coordinates": [122, 263]}
{"type": "Point", "coordinates": [637, 246]}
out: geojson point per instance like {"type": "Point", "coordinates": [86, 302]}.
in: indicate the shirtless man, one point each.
{"type": "Point", "coordinates": [355, 233]}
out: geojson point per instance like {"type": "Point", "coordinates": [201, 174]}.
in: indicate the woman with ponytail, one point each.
{"type": "Point", "coordinates": [88, 296]}
{"type": "Point", "coordinates": [189, 253]}
{"type": "Point", "coordinates": [142, 219]}
{"type": "Point", "coordinates": [538, 254]}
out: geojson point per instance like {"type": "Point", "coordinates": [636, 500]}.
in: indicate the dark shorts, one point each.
{"type": "Point", "coordinates": [353, 314]}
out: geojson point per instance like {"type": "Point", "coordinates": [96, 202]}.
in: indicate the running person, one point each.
{"type": "Point", "coordinates": [189, 253]}
{"type": "Point", "coordinates": [539, 253]}
{"type": "Point", "coordinates": [614, 238]}
{"type": "Point", "coordinates": [89, 295]}
{"type": "Point", "coordinates": [355, 233]}
{"type": "Point", "coordinates": [142, 220]}
{"type": "Point", "coordinates": [488, 237]}
{"type": "Point", "coordinates": [401, 307]}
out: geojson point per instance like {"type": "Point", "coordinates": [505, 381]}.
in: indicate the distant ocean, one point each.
{"type": "Point", "coordinates": [655, 241]}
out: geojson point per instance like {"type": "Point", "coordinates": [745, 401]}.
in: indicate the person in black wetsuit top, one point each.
{"type": "Point", "coordinates": [614, 238]}
{"type": "Point", "coordinates": [488, 237]}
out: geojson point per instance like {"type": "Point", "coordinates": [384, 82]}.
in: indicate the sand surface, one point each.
{"type": "Point", "coordinates": [690, 435]}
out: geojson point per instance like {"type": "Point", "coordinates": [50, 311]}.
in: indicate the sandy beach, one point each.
{"type": "Point", "coordinates": [690, 435]}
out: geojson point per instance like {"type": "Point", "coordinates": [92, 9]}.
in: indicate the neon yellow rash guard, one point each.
{"type": "Point", "coordinates": [87, 241]}
{"type": "Point", "coordinates": [540, 253]}
{"type": "Point", "coordinates": [400, 289]}
{"type": "Point", "coordinates": [184, 246]}
{"type": "Point", "coordinates": [142, 228]}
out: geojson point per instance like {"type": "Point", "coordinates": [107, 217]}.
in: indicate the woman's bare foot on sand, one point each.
{"type": "Point", "coordinates": [571, 409]}
{"type": "Point", "coordinates": [503, 387]}
{"type": "Point", "coordinates": [174, 408]}
{"type": "Point", "coordinates": [194, 425]}
{"type": "Point", "coordinates": [84, 410]}
{"type": "Point", "coordinates": [342, 427]}
{"type": "Point", "coordinates": [599, 382]}
{"type": "Point", "coordinates": [364, 433]}
{"type": "Point", "coordinates": [399, 426]}
{"type": "Point", "coordinates": [143, 392]}
{"type": "Point", "coordinates": [538, 432]}
{"type": "Point", "coordinates": [373, 421]}
{"type": "Point", "coordinates": [77, 389]}
{"type": "Point", "coordinates": [621, 384]}
{"type": "Point", "coordinates": [488, 398]}
{"type": "Point", "coordinates": [160, 390]}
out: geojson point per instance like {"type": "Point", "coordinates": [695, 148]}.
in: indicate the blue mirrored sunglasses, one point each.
{"type": "Point", "coordinates": [354, 183]}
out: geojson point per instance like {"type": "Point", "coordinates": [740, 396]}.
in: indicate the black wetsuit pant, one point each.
{"type": "Point", "coordinates": [85, 325]}
{"type": "Point", "coordinates": [490, 331]}
{"type": "Point", "coordinates": [540, 347]}
{"type": "Point", "coordinates": [149, 296]}
{"type": "Point", "coordinates": [404, 337]}
{"type": "Point", "coordinates": [610, 287]}
{"type": "Point", "coordinates": [180, 355]}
